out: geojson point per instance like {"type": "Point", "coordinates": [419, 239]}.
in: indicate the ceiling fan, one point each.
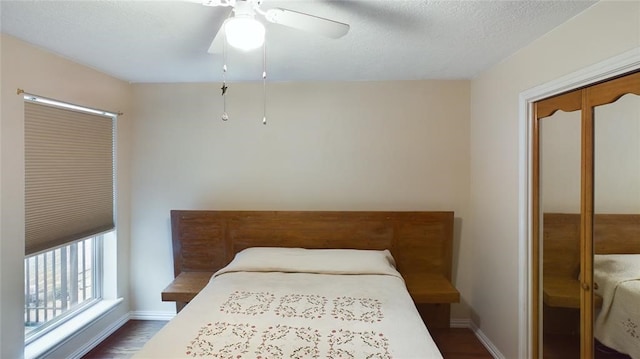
{"type": "Point", "coordinates": [242, 30]}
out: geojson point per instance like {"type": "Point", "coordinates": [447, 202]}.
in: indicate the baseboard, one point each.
{"type": "Point", "coordinates": [139, 315]}
{"type": "Point", "coordinates": [58, 340]}
{"type": "Point", "coordinates": [83, 350]}
{"type": "Point", "coordinates": [151, 315]}
{"type": "Point", "coordinates": [486, 342]}
{"type": "Point", "coordinates": [467, 323]}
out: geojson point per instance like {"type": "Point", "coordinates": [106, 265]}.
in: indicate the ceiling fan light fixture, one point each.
{"type": "Point", "coordinates": [244, 32]}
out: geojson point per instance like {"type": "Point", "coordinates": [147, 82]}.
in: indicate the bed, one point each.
{"type": "Point", "coordinates": [308, 284]}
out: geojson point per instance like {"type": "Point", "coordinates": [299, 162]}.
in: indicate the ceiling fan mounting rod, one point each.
{"type": "Point", "coordinates": [247, 8]}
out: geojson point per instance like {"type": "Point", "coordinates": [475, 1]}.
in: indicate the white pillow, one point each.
{"type": "Point", "coordinates": [324, 261]}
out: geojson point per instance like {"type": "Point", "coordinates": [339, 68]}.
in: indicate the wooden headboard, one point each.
{"type": "Point", "coordinates": [613, 234]}
{"type": "Point", "coordinates": [205, 241]}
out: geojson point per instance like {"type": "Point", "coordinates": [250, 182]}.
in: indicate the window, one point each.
{"type": "Point", "coordinates": [69, 208]}
{"type": "Point", "coordinates": [61, 282]}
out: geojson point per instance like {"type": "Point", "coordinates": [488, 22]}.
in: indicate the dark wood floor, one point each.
{"type": "Point", "coordinates": [127, 340]}
{"type": "Point", "coordinates": [454, 343]}
{"type": "Point", "coordinates": [459, 343]}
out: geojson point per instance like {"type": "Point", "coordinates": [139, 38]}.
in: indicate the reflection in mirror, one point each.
{"type": "Point", "coordinates": [617, 227]}
{"type": "Point", "coordinates": [560, 169]}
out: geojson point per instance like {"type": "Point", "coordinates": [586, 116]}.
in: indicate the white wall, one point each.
{"type": "Point", "coordinates": [327, 146]}
{"type": "Point", "coordinates": [602, 31]}
{"type": "Point", "coordinates": [45, 74]}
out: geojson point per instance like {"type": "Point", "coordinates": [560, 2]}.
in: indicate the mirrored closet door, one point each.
{"type": "Point", "coordinates": [586, 221]}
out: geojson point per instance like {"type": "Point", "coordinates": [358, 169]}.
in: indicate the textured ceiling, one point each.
{"type": "Point", "coordinates": [167, 41]}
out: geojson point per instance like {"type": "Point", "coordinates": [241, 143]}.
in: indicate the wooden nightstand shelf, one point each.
{"type": "Point", "coordinates": [431, 288]}
{"type": "Point", "coordinates": [433, 295]}
{"type": "Point", "coordinates": [184, 287]}
{"type": "Point", "coordinates": [563, 292]}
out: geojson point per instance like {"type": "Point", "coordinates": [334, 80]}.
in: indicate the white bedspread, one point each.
{"type": "Point", "coordinates": [618, 323]}
{"type": "Point", "coordinates": [284, 314]}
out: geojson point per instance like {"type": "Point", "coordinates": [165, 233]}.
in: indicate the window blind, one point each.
{"type": "Point", "coordinates": [68, 175]}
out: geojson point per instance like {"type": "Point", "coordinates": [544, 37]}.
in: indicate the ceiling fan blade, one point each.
{"type": "Point", "coordinates": [306, 22]}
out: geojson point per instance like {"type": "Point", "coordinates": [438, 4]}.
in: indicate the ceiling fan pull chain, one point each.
{"type": "Point", "coordinates": [264, 83]}
{"type": "Point", "coordinates": [224, 88]}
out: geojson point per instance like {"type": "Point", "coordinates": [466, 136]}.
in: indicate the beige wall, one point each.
{"type": "Point", "coordinates": [328, 146]}
{"type": "Point", "coordinates": [45, 74]}
{"type": "Point", "coordinates": [602, 31]}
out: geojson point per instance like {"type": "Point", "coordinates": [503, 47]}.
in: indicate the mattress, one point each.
{"type": "Point", "coordinates": [299, 304]}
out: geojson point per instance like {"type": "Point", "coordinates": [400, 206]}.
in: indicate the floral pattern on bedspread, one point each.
{"type": "Point", "coordinates": [282, 341]}
{"type": "Point", "coordinates": [251, 303]}
{"type": "Point", "coordinates": [236, 344]}
{"type": "Point", "coordinates": [357, 309]}
{"type": "Point", "coordinates": [631, 328]}
{"type": "Point", "coordinates": [350, 344]}
{"type": "Point", "coordinates": [302, 306]}
{"type": "Point", "coordinates": [366, 310]}
{"type": "Point", "coordinates": [234, 341]}
{"type": "Point", "coordinates": [305, 339]}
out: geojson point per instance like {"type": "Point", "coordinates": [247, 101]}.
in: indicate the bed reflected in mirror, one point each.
{"type": "Point", "coordinates": [617, 227]}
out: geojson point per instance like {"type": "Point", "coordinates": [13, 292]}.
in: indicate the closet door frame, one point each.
{"type": "Point", "coordinates": [615, 66]}
{"type": "Point", "coordinates": [585, 100]}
